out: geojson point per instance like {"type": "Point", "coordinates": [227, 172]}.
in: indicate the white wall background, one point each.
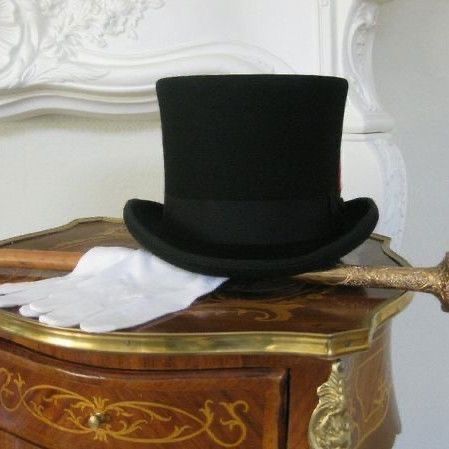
{"type": "Point", "coordinates": [53, 169]}
{"type": "Point", "coordinates": [412, 71]}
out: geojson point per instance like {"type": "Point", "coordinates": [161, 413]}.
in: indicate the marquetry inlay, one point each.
{"type": "Point", "coordinates": [134, 421]}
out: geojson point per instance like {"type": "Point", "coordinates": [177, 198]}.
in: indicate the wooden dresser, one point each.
{"type": "Point", "coordinates": [273, 364]}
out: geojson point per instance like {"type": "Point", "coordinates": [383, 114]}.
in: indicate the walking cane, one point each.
{"type": "Point", "coordinates": [434, 280]}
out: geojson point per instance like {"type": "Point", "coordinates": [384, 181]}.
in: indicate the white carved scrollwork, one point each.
{"type": "Point", "coordinates": [49, 36]}
{"type": "Point", "coordinates": [324, 3]}
{"type": "Point", "coordinates": [58, 55]}
{"type": "Point", "coordinates": [393, 170]}
{"type": "Point", "coordinates": [385, 179]}
{"type": "Point", "coordinates": [357, 58]}
{"type": "Point", "coordinates": [358, 61]}
{"type": "Point", "coordinates": [9, 31]}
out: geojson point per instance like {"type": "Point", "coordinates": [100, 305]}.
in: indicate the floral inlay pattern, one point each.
{"type": "Point", "coordinates": [134, 421]}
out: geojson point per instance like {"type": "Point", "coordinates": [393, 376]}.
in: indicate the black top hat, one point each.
{"type": "Point", "coordinates": [252, 173]}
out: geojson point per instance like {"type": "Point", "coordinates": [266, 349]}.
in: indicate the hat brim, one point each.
{"type": "Point", "coordinates": [143, 219]}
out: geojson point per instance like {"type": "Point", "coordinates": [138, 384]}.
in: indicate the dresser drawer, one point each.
{"type": "Point", "coordinates": [57, 405]}
{"type": "Point", "coordinates": [8, 441]}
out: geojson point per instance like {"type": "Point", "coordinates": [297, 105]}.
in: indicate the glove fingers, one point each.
{"type": "Point", "coordinates": [27, 311]}
{"type": "Point", "coordinates": [38, 291]}
{"type": "Point", "coordinates": [149, 305]}
{"type": "Point", "coordinates": [15, 287]}
{"type": "Point", "coordinates": [68, 309]}
{"type": "Point", "coordinates": [45, 297]}
{"type": "Point", "coordinates": [132, 313]}
{"type": "Point", "coordinates": [69, 315]}
{"type": "Point", "coordinates": [18, 299]}
{"type": "Point", "coordinates": [12, 287]}
{"type": "Point", "coordinates": [54, 301]}
{"type": "Point", "coordinates": [60, 299]}
{"type": "Point", "coordinates": [88, 295]}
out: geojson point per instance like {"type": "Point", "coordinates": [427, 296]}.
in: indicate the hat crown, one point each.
{"type": "Point", "coordinates": [252, 168]}
{"type": "Point", "coordinates": [251, 137]}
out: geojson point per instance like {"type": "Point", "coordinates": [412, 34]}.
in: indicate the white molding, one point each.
{"type": "Point", "coordinates": [120, 93]}
{"type": "Point", "coordinates": [54, 35]}
{"type": "Point", "coordinates": [392, 170]}
{"type": "Point", "coordinates": [327, 37]}
{"type": "Point", "coordinates": [58, 56]}
{"type": "Point", "coordinates": [365, 113]}
{"type": "Point", "coordinates": [52, 59]}
{"type": "Point", "coordinates": [346, 31]}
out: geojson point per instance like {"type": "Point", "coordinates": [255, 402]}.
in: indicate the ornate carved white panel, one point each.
{"type": "Point", "coordinates": [372, 165]}
{"type": "Point", "coordinates": [67, 55]}
{"type": "Point", "coordinates": [366, 112]}
{"type": "Point", "coordinates": [100, 56]}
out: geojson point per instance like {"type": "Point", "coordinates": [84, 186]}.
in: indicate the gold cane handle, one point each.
{"type": "Point", "coordinates": [433, 280]}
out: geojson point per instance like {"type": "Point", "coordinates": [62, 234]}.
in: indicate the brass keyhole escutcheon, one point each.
{"type": "Point", "coordinates": [97, 419]}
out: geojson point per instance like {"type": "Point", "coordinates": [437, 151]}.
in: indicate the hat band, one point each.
{"type": "Point", "coordinates": [261, 222]}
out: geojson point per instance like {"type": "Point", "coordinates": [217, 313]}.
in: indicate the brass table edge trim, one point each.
{"type": "Point", "coordinates": [299, 343]}
{"type": "Point", "coordinates": [322, 345]}
{"type": "Point", "coordinates": [387, 249]}
{"type": "Point", "coordinates": [57, 229]}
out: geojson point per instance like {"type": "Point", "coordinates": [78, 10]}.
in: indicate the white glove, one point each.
{"type": "Point", "coordinates": [107, 292]}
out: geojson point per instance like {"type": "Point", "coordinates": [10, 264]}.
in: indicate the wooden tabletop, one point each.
{"type": "Point", "coordinates": [270, 315]}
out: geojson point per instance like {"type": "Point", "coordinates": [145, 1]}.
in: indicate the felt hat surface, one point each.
{"type": "Point", "coordinates": [252, 177]}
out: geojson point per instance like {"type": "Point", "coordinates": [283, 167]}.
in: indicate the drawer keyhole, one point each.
{"type": "Point", "coordinates": [97, 419]}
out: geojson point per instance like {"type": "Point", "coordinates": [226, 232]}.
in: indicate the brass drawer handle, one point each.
{"type": "Point", "coordinates": [96, 420]}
